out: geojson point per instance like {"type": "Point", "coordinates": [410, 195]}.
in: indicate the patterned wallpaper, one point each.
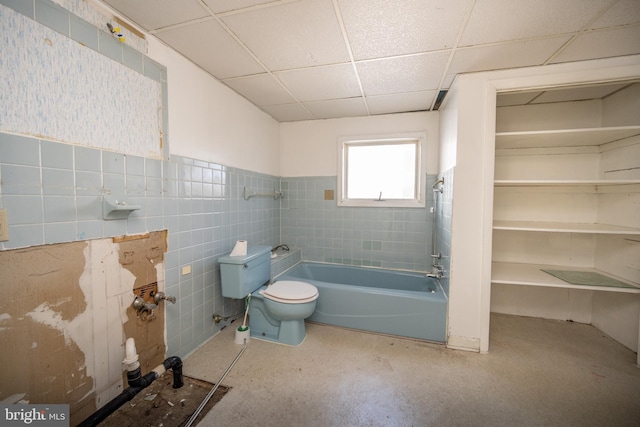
{"type": "Point", "coordinates": [56, 88]}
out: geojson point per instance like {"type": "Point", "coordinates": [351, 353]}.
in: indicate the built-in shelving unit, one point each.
{"type": "Point", "coordinates": [567, 198]}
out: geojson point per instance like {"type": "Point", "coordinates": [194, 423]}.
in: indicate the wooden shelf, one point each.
{"type": "Point", "coordinates": [565, 137]}
{"type": "Point", "coordinates": [532, 275]}
{"type": "Point", "coordinates": [564, 227]}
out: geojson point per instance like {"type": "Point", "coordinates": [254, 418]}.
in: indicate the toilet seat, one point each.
{"type": "Point", "coordinates": [291, 292]}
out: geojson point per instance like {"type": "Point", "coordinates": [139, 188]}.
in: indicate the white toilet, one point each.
{"type": "Point", "coordinates": [276, 311]}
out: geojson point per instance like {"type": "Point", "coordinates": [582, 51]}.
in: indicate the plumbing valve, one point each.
{"type": "Point", "coordinates": [140, 305]}
{"type": "Point", "coordinates": [145, 309]}
{"type": "Point", "coordinates": [160, 296]}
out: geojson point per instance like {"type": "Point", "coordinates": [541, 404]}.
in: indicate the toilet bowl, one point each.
{"type": "Point", "coordinates": [278, 311]}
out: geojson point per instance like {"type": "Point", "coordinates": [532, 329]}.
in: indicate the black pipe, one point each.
{"type": "Point", "coordinates": [175, 364]}
{"type": "Point", "coordinates": [137, 383]}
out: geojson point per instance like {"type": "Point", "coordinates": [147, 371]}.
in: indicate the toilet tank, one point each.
{"type": "Point", "coordinates": [244, 274]}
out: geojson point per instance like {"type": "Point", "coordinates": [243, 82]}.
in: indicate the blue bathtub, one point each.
{"type": "Point", "coordinates": [384, 301]}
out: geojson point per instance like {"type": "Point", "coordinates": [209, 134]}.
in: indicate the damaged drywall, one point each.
{"type": "Point", "coordinates": [41, 300]}
{"type": "Point", "coordinates": [65, 314]}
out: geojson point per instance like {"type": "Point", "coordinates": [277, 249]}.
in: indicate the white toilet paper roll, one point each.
{"type": "Point", "coordinates": [240, 249]}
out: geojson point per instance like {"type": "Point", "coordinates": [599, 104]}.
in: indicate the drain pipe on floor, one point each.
{"type": "Point", "coordinates": [215, 387]}
{"type": "Point", "coordinates": [137, 382]}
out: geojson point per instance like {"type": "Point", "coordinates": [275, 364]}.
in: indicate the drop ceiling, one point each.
{"type": "Point", "coordinates": [321, 59]}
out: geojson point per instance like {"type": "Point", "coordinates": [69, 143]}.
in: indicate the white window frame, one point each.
{"type": "Point", "coordinates": [344, 142]}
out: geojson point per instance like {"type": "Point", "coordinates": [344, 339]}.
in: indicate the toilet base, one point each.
{"type": "Point", "coordinates": [265, 327]}
{"type": "Point", "coordinates": [276, 341]}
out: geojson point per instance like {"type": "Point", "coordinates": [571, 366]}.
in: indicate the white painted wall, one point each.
{"type": "Point", "coordinates": [210, 122]}
{"type": "Point", "coordinates": [310, 148]}
{"type": "Point", "coordinates": [449, 130]}
{"type": "Point", "coordinates": [622, 108]}
{"type": "Point", "coordinates": [463, 125]}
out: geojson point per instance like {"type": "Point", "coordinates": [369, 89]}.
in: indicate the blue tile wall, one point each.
{"type": "Point", "coordinates": [284, 261]}
{"type": "Point", "coordinates": [395, 238]}
{"type": "Point", "coordinates": [53, 194]}
{"type": "Point", "coordinates": [202, 206]}
{"type": "Point", "coordinates": [444, 209]}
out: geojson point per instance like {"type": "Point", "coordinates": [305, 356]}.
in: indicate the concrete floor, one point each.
{"type": "Point", "coordinates": [537, 373]}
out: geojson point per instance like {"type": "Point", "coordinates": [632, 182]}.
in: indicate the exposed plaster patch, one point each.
{"type": "Point", "coordinates": [45, 315]}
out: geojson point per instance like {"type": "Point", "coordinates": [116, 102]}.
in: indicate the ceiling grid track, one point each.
{"type": "Point", "coordinates": [579, 33]}
{"type": "Point", "coordinates": [438, 100]}
{"type": "Point", "coordinates": [255, 58]}
{"type": "Point", "coordinates": [350, 51]}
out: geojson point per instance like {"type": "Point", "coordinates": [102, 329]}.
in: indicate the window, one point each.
{"type": "Point", "coordinates": [382, 172]}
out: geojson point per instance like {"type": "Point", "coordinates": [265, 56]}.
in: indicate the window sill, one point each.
{"type": "Point", "coordinates": [362, 203]}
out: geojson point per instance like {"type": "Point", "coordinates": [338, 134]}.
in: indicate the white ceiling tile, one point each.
{"type": "Point", "coordinates": [278, 53]}
{"type": "Point", "coordinates": [292, 35]}
{"type": "Point", "coordinates": [288, 112]}
{"type": "Point", "coordinates": [352, 107]}
{"type": "Point", "coordinates": [505, 55]}
{"type": "Point", "coordinates": [402, 74]}
{"type": "Point", "coordinates": [379, 28]}
{"type": "Point", "coordinates": [219, 6]}
{"type": "Point", "coordinates": [602, 44]}
{"type": "Point", "coordinates": [262, 89]}
{"type": "Point", "coordinates": [210, 46]}
{"type": "Point", "coordinates": [502, 20]}
{"type": "Point", "coordinates": [623, 12]}
{"type": "Point", "coordinates": [154, 14]}
{"type": "Point", "coordinates": [318, 83]}
{"type": "Point", "coordinates": [397, 103]}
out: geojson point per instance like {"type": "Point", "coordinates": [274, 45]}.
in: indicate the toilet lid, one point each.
{"type": "Point", "coordinates": [290, 291]}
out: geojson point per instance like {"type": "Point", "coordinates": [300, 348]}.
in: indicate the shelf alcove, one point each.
{"type": "Point", "coordinates": [567, 198]}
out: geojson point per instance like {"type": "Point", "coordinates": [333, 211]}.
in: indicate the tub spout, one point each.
{"type": "Point", "coordinates": [436, 272]}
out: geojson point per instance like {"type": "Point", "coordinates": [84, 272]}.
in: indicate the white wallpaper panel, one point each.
{"type": "Point", "coordinates": [54, 88]}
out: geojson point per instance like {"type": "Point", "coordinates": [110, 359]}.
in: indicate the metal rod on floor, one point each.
{"type": "Point", "coordinates": [215, 387]}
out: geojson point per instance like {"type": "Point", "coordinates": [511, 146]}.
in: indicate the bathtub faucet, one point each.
{"type": "Point", "coordinates": [436, 272]}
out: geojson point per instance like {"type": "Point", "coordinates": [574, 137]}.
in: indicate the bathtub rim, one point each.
{"type": "Point", "coordinates": [358, 267]}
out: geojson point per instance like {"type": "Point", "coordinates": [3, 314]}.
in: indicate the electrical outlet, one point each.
{"type": "Point", "coordinates": [4, 226]}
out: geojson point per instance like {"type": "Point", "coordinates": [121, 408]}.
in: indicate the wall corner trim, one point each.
{"type": "Point", "coordinates": [464, 343]}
